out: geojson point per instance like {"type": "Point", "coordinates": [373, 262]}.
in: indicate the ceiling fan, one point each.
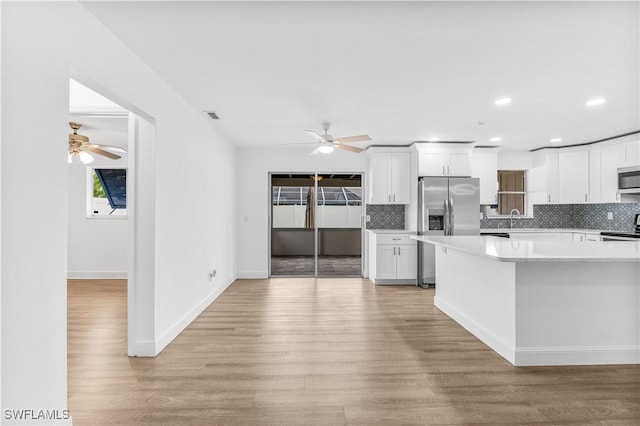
{"type": "Point", "coordinates": [328, 143]}
{"type": "Point", "coordinates": [79, 146]}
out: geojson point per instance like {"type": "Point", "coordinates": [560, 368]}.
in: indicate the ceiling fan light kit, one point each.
{"type": "Point", "coordinates": [328, 143]}
{"type": "Point", "coordinates": [79, 147]}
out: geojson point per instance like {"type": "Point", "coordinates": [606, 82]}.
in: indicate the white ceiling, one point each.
{"type": "Point", "coordinates": [398, 71]}
{"type": "Point", "coordinates": [103, 121]}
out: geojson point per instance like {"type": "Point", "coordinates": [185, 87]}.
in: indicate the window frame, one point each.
{"type": "Point", "coordinates": [89, 195]}
{"type": "Point", "coordinates": [523, 213]}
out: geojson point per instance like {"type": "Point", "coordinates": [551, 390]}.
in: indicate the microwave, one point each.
{"type": "Point", "coordinates": [629, 180]}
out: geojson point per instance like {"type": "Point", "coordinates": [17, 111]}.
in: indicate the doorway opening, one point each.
{"type": "Point", "coordinates": [316, 225]}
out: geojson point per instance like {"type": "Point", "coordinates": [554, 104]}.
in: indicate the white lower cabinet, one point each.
{"type": "Point", "coordinates": [393, 258]}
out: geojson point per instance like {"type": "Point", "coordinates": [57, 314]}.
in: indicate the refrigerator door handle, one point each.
{"type": "Point", "coordinates": [446, 217]}
{"type": "Point", "coordinates": [452, 217]}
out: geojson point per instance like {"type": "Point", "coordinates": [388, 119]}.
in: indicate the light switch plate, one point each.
{"type": "Point", "coordinates": [610, 215]}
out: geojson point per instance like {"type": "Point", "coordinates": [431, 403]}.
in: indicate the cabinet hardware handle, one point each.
{"type": "Point", "coordinates": [389, 198]}
{"type": "Point", "coordinates": [549, 197]}
{"type": "Point", "coordinates": [443, 171]}
{"type": "Point", "coordinates": [394, 251]}
{"type": "Point", "coordinates": [585, 198]}
{"type": "Point", "coordinates": [398, 251]}
{"type": "Point", "coordinates": [394, 198]}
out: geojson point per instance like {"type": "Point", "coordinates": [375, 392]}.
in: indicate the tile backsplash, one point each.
{"type": "Point", "coordinates": [577, 216]}
{"type": "Point", "coordinates": [385, 216]}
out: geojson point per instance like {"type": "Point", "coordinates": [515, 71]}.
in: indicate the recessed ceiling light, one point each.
{"type": "Point", "coordinates": [496, 139]}
{"type": "Point", "coordinates": [556, 140]}
{"type": "Point", "coordinates": [434, 139]}
{"type": "Point", "coordinates": [596, 101]}
{"type": "Point", "coordinates": [503, 101]}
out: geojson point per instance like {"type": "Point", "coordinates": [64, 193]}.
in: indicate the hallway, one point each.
{"type": "Point", "coordinates": [325, 351]}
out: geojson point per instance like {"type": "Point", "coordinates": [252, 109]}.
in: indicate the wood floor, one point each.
{"type": "Point", "coordinates": [322, 352]}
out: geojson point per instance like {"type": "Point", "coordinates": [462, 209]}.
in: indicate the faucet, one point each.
{"type": "Point", "coordinates": [511, 216]}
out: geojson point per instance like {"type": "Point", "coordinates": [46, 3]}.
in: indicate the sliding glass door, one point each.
{"type": "Point", "coordinates": [316, 224]}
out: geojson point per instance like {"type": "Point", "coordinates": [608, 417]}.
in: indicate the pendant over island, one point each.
{"type": "Point", "coordinates": [543, 302]}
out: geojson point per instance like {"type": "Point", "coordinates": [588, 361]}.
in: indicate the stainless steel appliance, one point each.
{"type": "Point", "coordinates": [446, 206]}
{"type": "Point", "coordinates": [623, 236]}
{"type": "Point", "coordinates": [629, 180]}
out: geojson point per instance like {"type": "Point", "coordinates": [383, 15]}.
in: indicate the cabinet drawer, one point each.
{"type": "Point", "coordinates": [394, 239]}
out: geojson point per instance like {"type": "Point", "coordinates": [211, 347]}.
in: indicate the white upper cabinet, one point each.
{"type": "Point", "coordinates": [630, 154]}
{"type": "Point", "coordinates": [542, 179]}
{"type": "Point", "coordinates": [573, 177]}
{"type": "Point", "coordinates": [389, 178]}
{"type": "Point", "coordinates": [439, 159]}
{"type": "Point", "coordinates": [485, 168]}
{"type": "Point", "coordinates": [603, 175]}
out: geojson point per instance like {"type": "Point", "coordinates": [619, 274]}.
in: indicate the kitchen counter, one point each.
{"type": "Point", "coordinates": [510, 250]}
{"type": "Point", "coordinates": [391, 231]}
{"type": "Point", "coordinates": [539, 230]}
{"type": "Point", "coordinates": [543, 302]}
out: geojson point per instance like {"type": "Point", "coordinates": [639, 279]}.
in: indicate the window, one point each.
{"type": "Point", "coordinates": [511, 191]}
{"type": "Point", "coordinates": [107, 192]}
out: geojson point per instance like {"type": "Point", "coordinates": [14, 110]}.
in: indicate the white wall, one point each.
{"type": "Point", "coordinates": [254, 165]}
{"type": "Point", "coordinates": [514, 160]}
{"type": "Point", "coordinates": [189, 195]}
{"type": "Point", "coordinates": [97, 248]}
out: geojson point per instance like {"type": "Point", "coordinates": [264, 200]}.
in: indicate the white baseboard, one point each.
{"type": "Point", "coordinates": [521, 357]}
{"type": "Point", "coordinates": [183, 322]}
{"type": "Point", "coordinates": [253, 275]}
{"type": "Point", "coordinates": [145, 348]}
{"type": "Point", "coordinates": [494, 342]}
{"type": "Point", "coordinates": [97, 275]}
{"type": "Point", "coordinates": [578, 356]}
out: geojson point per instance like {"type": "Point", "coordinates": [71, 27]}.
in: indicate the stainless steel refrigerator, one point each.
{"type": "Point", "coordinates": [446, 206]}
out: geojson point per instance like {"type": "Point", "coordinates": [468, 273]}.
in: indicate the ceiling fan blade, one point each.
{"type": "Point", "coordinates": [315, 151]}
{"type": "Point", "coordinates": [349, 139]}
{"type": "Point", "coordinates": [93, 149]}
{"type": "Point", "coordinates": [315, 135]}
{"type": "Point", "coordinates": [111, 148]}
{"type": "Point", "coordinates": [76, 137]}
{"type": "Point", "coordinates": [348, 148]}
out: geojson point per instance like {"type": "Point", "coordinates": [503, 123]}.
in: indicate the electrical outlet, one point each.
{"type": "Point", "coordinates": [368, 218]}
{"type": "Point", "coordinates": [610, 215]}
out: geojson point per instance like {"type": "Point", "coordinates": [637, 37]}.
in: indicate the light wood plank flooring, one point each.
{"type": "Point", "coordinates": [322, 352]}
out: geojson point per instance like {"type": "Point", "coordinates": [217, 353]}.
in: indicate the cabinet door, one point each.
{"type": "Point", "coordinates": [406, 262]}
{"type": "Point", "coordinates": [630, 154]}
{"type": "Point", "coordinates": [459, 164]}
{"type": "Point", "coordinates": [379, 165]}
{"type": "Point", "coordinates": [386, 262]}
{"type": "Point", "coordinates": [485, 168]}
{"type": "Point", "coordinates": [400, 178]}
{"type": "Point", "coordinates": [573, 172]}
{"type": "Point", "coordinates": [608, 176]}
{"type": "Point", "coordinates": [431, 163]}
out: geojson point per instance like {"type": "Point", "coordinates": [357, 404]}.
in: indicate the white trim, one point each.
{"type": "Point", "coordinates": [578, 355]}
{"type": "Point", "coordinates": [494, 342]}
{"type": "Point", "coordinates": [97, 275]}
{"type": "Point", "coordinates": [253, 275]}
{"type": "Point", "coordinates": [177, 328]}
{"type": "Point", "coordinates": [142, 348]}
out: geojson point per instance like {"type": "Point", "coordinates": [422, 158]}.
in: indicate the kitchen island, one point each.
{"type": "Point", "coordinates": [543, 302]}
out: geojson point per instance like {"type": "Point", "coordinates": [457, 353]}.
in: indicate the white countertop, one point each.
{"type": "Point", "coordinates": [510, 250]}
{"type": "Point", "coordinates": [540, 230]}
{"type": "Point", "coordinates": [391, 231]}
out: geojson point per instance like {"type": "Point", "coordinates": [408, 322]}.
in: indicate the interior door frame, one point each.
{"type": "Point", "coordinates": [315, 228]}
